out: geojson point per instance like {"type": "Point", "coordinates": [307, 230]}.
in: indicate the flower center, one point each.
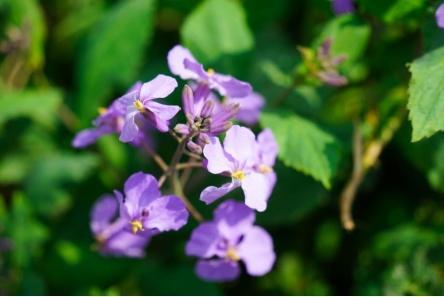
{"type": "Point", "coordinates": [238, 175]}
{"type": "Point", "coordinates": [139, 105]}
{"type": "Point", "coordinates": [210, 71]}
{"type": "Point", "coordinates": [265, 169]}
{"type": "Point", "coordinates": [102, 110]}
{"type": "Point", "coordinates": [136, 226]}
{"type": "Point", "coordinates": [232, 254]}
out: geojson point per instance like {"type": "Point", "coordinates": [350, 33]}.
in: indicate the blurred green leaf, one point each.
{"type": "Point", "coordinates": [216, 28]}
{"type": "Point", "coordinates": [304, 146]}
{"type": "Point", "coordinates": [112, 54]}
{"type": "Point", "coordinates": [13, 168]}
{"type": "Point", "coordinates": [29, 16]}
{"type": "Point", "coordinates": [393, 11]}
{"type": "Point", "coordinates": [426, 100]}
{"type": "Point", "coordinates": [39, 105]}
{"type": "Point", "coordinates": [46, 181]}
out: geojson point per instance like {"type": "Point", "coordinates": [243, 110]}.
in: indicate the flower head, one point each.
{"type": "Point", "coordinates": [242, 158]}
{"type": "Point", "coordinates": [144, 209]}
{"type": "Point", "coordinates": [140, 107]}
{"type": "Point", "coordinates": [439, 14]}
{"type": "Point", "coordinates": [204, 120]}
{"type": "Point", "coordinates": [343, 6]}
{"type": "Point", "coordinates": [109, 121]}
{"type": "Point", "coordinates": [229, 239]}
{"type": "Point", "coordinates": [110, 232]}
{"type": "Point", "coordinates": [183, 64]}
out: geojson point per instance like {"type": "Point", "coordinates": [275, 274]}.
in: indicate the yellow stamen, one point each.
{"type": "Point", "coordinates": [136, 226]}
{"type": "Point", "coordinates": [102, 110]}
{"type": "Point", "coordinates": [239, 175]}
{"type": "Point", "coordinates": [232, 254]}
{"type": "Point", "coordinates": [210, 71]}
{"type": "Point", "coordinates": [139, 105]}
{"type": "Point", "coordinates": [265, 169]}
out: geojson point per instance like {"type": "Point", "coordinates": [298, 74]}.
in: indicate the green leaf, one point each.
{"type": "Point", "coordinates": [426, 100]}
{"type": "Point", "coordinates": [393, 11]}
{"type": "Point", "coordinates": [29, 15]}
{"type": "Point", "coordinates": [345, 31]}
{"type": "Point", "coordinates": [112, 54]}
{"type": "Point", "coordinates": [303, 145]}
{"type": "Point", "coordinates": [39, 105]}
{"type": "Point", "coordinates": [216, 28]}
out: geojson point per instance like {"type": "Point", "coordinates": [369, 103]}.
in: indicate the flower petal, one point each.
{"type": "Point", "coordinates": [159, 87]}
{"type": "Point", "coordinates": [233, 219]}
{"type": "Point", "coordinates": [176, 58]}
{"type": "Point", "coordinates": [215, 155]}
{"type": "Point", "coordinates": [268, 147]}
{"type": "Point", "coordinates": [88, 136]}
{"type": "Point", "coordinates": [103, 212]}
{"type": "Point", "coordinates": [140, 190]}
{"type": "Point", "coordinates": [256, 187]}
{"type": "Point", "coordinates": [218, 270]}
{"type": "Point", "coordinates": [130, 128]}
{"type": "Point", "coordinates": [249, 108]}
{"type": "Point", "coordinates": [166, 213]}
{"type": "Point", "coordinates": [125, 244]}
{"type": "Point", "coordinates": [203, 241]}
{"type": "Point", "coordinates": [227, 85]}
{"type": "Point", "coordinates": [240, 143]}
{"type": "Point", "coordinates": [439, 14]}
{"type": "Point", "coordinates": [256, 251]}
{"type": "Point", "coordinates": [165, 112]}
{"type": "Point", "coordinates": [211, 193]}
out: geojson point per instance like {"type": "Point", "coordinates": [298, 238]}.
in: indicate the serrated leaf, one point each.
{"type": "Point", "coordinates": [426, 95]}
{"type": "Point", "coordinates": [216, 28]}
{"type": "Point", "coordinates": [39, 105]}
{"type": "Point", "coordinates": [303, 145]}
{"type": "Point", "coordinates": [112, 54]}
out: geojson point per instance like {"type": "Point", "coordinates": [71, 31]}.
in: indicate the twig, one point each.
{"type": "Point", "coordinates": [156, 157]}
{"type": "Point", "coordinates": [188, 165]}
{"type": "Point", "coordinates": [178, 190]}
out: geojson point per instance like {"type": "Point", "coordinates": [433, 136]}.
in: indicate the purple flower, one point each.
{"type": "Point", "coordinates": [250, 107]}
{"type": "Point", "coordinates": [141, 107]}
{"type": "Point", "coordinates": [329, 65]}
{"type": "Point", "coordinates": [440, 16]}
{"type": "Point", "coordinates": [144, 209]}
{"type": "Point", "coordinates": [246, 161]}
{"type": "Point", "coordinates": [111, 234]}
{"type": "Point", "coordinates": [343, 6]}
{"type": "Point", "coordinates": [203, 119]}
{"type": "Point", "coordinates": [183, 64]}
{"type": "Point", "coordinates": [229, 239]}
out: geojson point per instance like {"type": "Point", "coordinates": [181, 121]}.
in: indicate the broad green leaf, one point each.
{"type": "Point", "coordinates": [39, 105]}
{"type": "Point", "coordinates": [345, 31]}
{"type": "Point", "coordinates": [216, 28]}
{"type": "Point", "coordinates": [303, 145]}
{"type": "Point", "coordinates": [28, 15]}
{"type": "Point", "coordinates": [426, 100]}
{"type": "Point", "coordinates": [112, 54]}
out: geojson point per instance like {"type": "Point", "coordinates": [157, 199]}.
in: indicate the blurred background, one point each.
{"type": "Point", "coordinates": [62, 60]}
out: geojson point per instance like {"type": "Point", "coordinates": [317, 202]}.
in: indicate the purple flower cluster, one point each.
{"type": "Point", "coordinates": [124, 223]}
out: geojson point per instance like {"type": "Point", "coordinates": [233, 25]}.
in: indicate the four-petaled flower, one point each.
{"type": "Point", "coordinates": [183, 64]}
{"type": "Point", "coordinates": [141, 107]}
{"type": "Point", "coordinates": [229, 239]}
{"type": "Point", "coordinates": [144, 209]}
{"type": "Point", "coordinates": [246, 162]}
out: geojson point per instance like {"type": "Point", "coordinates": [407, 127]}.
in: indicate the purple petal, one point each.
{"type": "Point", "coordinates": [211, 193]}
{"type": "Point", "coordinates": [164, 112]}
{"type": "Point", "coordinates": [140, 190]}
{"type": "Point", "coordinates": [103, 212]}
{"type": "Point", "coordinates": [233, 219]}
{"type": "Point", "coordinates": [440, 16]}
{"type": "Point", "coordinates": [268, 147]}
{"type": "Point", "coordinates": [256, 187]}
{"type": "Point", "coordinates": [227, 85]}
{"type": "Point", "coordinates": [218, 270]}
{"type": "Point", "coordinates": [130, 128]}
{"type": "Point", "coordinates": [129, 98]}
{"type": "Point", "coordinates": [166, 213]}
{"type": "Point", "coordinates": [249, 108]}
{"type": "Point", "coordinates": [203, 241]}
{"type": "Point", "coordinates": [159, 87]}
{"type": "Point", "coordinates": [198, 69]}
{"type": "Point", "coordinates": [343, 6]}
{"type": "Point", "coordinates": [240, 143]}
{"type": "Point", "coordinates": [176, 58]}
{"type": "Point", "coordinates": [256, 251]}
{"type": "Point", "coordinates": [88, 136]}
{"type": "Point", "coordinates": [332, 78]}
{"type": "Point", "coordinates": [125, 244]}
{"type": "Point", "coordinates": [215, 155]}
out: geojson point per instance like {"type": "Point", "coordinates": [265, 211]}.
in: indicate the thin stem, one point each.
{"type": "Point", "coordinates": [157, 158]}
{"type": "Point", "coordinates": [178, 190]}
{"type": "Point", "coordinates": [174, 160]}
{"type": "Point", "coordinates": [188, 165]}
{"type": "Point", "coordinates": [285, 93]}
